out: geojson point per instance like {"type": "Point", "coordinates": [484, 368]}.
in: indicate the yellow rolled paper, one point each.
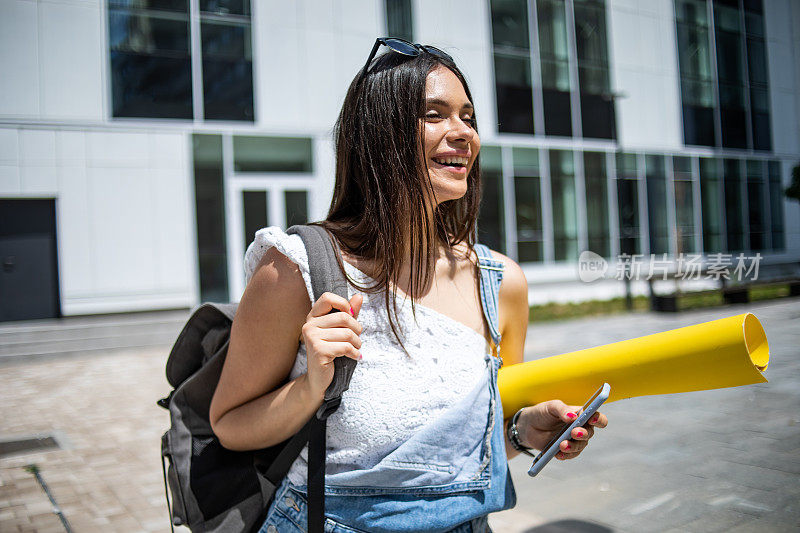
{"type": "Point", "coordinates": [722, 353]}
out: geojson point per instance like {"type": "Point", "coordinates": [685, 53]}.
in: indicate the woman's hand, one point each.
{"type": "Point", "coordinates": [328, 335]}
{"type": "Point", "coordinates": [539, 423]}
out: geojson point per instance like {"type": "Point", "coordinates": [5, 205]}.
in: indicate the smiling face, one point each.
{"type": "Point", "coordinates": [451, 142]}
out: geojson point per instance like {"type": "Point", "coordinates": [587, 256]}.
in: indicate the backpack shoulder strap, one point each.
{"type": "Point", "coordinates": [326, 276]}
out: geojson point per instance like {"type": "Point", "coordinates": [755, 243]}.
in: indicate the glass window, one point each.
{"type": "Point", "coordinates": [756, 205]}
{"type": "Point", "coordinates": [597, 103]}
{"type": "Point", "coordinates": [711, 205]}
{"type": "Point", "coordinates": [554, 57]}
{"type": "Point", "coordinates": [296, 203]}
{"type": "Point", "coordinates": [776, 205]}
{"type": "Point", "coordinates": [628, 204]}
{"type": "Point", "coordinates": [225, 7]}
{"type": "Point", "coordinates": [150, 56]}
{"type": "Point", "coordinates": [209, 195]}
{"type": "Point", "coordinates": [254, 204]}
{"type": "Point", "coordinates": [565, 225]}
{"type": "Point", "coordinates": [757, 75]}
{"type": "Point", "coordinates": [528, 199]}
{"type": "Point", "coordinates": [510, 24]}
{"type": "Point", "coordinates": [684, 204]}
{"type": "Point", "coordinates": [491, 220]}
{"type": "Point", "coordinates": [734, 204]}
{"type": "Point", "coordinates": [514, 93]}
{"type": "Point", "coordinates": [272, 154]}
{"type": "Point", "coordinates": [594, 167]}
{"type": "Point", "coordinates": [730, 72]}
{"type": "Point", "coordinates": [399, 19]}
{"type": "Point", "coordinates": [512, 66]}
{"type": "Point", "coordinates": [657, 204]}
{"type": "Point", "coordinates": [697, 77]}
{"type": "Point", "coordinates": [227, 69]}
{"type": "Point", "coordinates": [150, 60]}
{"type": "Point", "coordinates": [180, 6]}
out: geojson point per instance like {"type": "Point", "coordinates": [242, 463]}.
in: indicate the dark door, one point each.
{"type": "Point", "coordinates": [28, 261]}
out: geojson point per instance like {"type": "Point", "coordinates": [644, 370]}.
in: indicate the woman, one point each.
{"type": "Point", "coordinates": [418, 443]}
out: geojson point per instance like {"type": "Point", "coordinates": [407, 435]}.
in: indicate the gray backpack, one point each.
{"type": "Point", "coordinates": [217, 490]}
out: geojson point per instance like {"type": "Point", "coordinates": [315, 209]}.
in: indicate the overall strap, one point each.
{"type": "Point", "coordinates": [491, 274]}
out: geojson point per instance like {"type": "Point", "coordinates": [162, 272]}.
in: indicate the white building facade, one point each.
{"type": "Point", "coordinates": [142, 142]}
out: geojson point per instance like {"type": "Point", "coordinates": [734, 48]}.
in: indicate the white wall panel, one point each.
{"type": "Point", "coordinates": [9, 146]}
{"type": "Point", "coordinates": [19, 59]}
{"type": "Point", "coordinates": [625, 30]}
{"type": "Point", "coordinates": [645, 73]}
{"type": "Point", "coordinates": [9, 180]}
{"type": "Point", "coordinates": [71, 58]}
{"type": "Point", "coordinates": [172, 240]}
{"type": "Point", "coordinates": [780, 59]}
{"type": "Point", "coordinates": [320, 16]}
{"type": "Point", "coordinates": [117, 150]}
{"type": "Point", "coordinates": [75, 257]}
{"type": "Point", "coordinates": [276, 14]}
{"type": "Point", "coordinates": [783, 54]}
{"type": "Point", "coordinates": [124, 212]}
{"type": "Point", "coordinates": [278, 75]}
{"type": "Point", "coordinates": [9, 161]}
{"type": "Point", "coordinates": [37, 156]}
{"type": "Point", "coordinates": [167, 151]}
{"type": "Point", "coordinates": [356, 17]}
{"type": "Point", "coordinates": [39, 180]}
{"type": "Point", "coordinates": [784, 117]}
{"type": "Point", "coordinates": [71, 148]}
{"type": "Point", "coordinates": [37, 147]}
{"type": "Point", "coordinates": [322, 105]}
{"type": "Point", "coordinates": [123, 226]}
{"type": "Point", "coordinates": [352, 50]}
{"type": "Point", "coordinates": [325, 169]}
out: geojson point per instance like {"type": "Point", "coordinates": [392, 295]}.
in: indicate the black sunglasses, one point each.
{"type": "Point", "coordinates": [406, 48]}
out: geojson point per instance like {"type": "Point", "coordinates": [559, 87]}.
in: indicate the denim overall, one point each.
{"type": "Point", "coordinates": [445, 478]}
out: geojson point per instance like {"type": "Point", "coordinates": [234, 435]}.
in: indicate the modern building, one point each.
{"type": "Point", "coordinates": [142, 142]}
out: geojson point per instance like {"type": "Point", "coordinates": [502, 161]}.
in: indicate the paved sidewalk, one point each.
{"type": "Point", "coordinates": [721, 460]}
{"type": "Point", "coordinates": [725, 460]}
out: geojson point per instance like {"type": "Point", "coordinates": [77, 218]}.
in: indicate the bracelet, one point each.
{"type": "Point", "coordinates": [513, 435]}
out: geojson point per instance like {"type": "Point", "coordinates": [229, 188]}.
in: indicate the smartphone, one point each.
{"type": "Point", "coordinates": [588, 409]}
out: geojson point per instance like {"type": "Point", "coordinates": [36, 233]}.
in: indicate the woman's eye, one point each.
{"type": "Point", "coordinates": [470, 120]}
{"type": "Point", "coordinates": [432, 114]}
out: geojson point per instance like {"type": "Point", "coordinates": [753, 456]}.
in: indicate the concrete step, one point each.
{"type": "Point", "coordinates": [87, 334]}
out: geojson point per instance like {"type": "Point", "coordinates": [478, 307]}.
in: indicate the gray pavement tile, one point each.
{"type": "Point", "coordinates": [713, 521]}
{"type": "Point", "coordinates": [704, 461]}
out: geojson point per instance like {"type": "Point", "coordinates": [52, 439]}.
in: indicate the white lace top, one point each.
{"type": "Point", "coordinates": [392, 394]}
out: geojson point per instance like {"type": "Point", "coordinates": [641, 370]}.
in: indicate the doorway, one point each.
{"type": "Point", "coordinates": [28, 259]}
{"type": "Point", "coordinates": [254, 202]}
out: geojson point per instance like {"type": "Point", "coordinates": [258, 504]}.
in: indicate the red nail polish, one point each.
{"type": "Point", "coordinates": [581, 433]}
{"type": "Point", "coordinates": [571, 415]}
{"type": "Point", "coordinates": [568, 446]}
{"type": "Point", "coordinates": [351, 311]}
{"type": "Point", "coordinates": [594, 420]}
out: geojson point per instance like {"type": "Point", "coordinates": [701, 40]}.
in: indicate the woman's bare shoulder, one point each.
{"type": "Point", "coordinates": [277, 283]}
{"type": "Point", "coordinates": [514, 280]}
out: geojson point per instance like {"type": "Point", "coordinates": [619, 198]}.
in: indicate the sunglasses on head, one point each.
{"type": "Point", "coordinates": [406, 48]}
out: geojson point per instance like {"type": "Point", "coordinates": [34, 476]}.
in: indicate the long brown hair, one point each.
{"type": "Point", "coordinates": [382, 204]}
